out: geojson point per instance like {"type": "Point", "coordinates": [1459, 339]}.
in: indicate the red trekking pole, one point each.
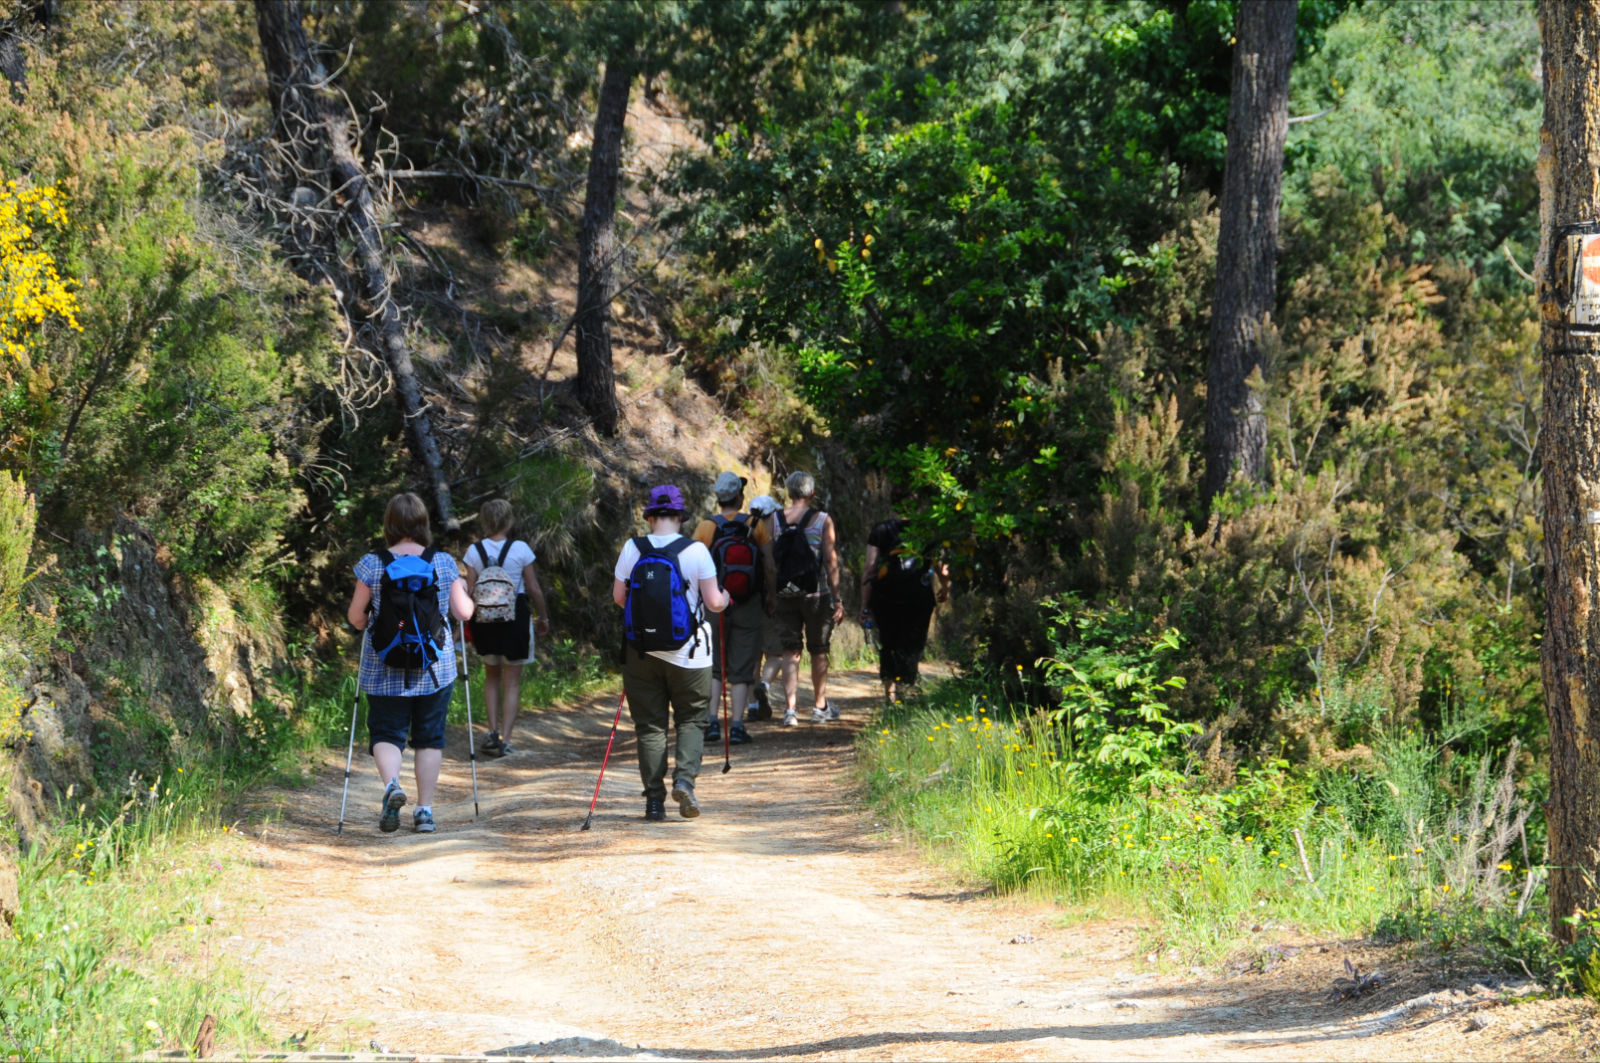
{"type": "Point", "coordinates": [615, 720]}
{"type": "Point", "coordinates": [722, 630]}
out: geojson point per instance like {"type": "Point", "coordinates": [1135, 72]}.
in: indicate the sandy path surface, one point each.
{"type": "Point", "coordinates": [780, 924]}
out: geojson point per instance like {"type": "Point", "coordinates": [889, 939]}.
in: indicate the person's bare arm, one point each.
{"type": "Point", "coordinates": [535, 593]}
{"type": "Point", "coordinates": [830, 562]}
{"type": "Point", "coordinates": [714, 597]}
{"type": "Point", "coordinates": [460, 601]}
{"type": "Point", "coordinates": [619, 591]}
{"type": "Point", "coordinates": [866, 579]}
{"type": "Point", "coordinates": [941, 576]}
{"type": "Point", "coordinates": [360, 599]}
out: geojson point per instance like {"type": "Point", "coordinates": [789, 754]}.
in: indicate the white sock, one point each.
{"type": "Point", "coordinates": [425, 808]}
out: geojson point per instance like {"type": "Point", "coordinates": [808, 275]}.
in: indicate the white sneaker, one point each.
{"type": "Point", "coordinates": [833, 714]}
{"type": "Point", "coordinates": [790, 719]}
{"type": "Point", "coordinates": [819, 715]}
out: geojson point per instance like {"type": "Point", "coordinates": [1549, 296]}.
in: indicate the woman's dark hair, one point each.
{"type": "Point", "coordinates": [406, 518]}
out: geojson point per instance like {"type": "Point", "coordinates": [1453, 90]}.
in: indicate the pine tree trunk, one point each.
{"type": "Point", "coordinates": [317, 130]}
{"type": "Point", "coordinates": [597, 242]}
{"type": "Point", "coordinates": [1569, 445]}
{"type": "Point", "coordinates": [1247, 241]}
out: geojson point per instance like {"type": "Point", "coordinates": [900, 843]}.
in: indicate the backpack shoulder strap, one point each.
{"type": "Point", "coordinates": [482, 552]}
{"type": "Point", "coordinates": [720, 521]}
{"type": "Point", "coordinates": [807, 517]}
{"type": "Point", "coordinates": [504, 550]}
{"type": "Point", "coordinates": [385, 556]}
{"type": "Point", "coordinates": [428, 554]}
{"type": "Point", "coordinates": [678, 546]}
{"type": "Point", "coordinates": [643, 544]}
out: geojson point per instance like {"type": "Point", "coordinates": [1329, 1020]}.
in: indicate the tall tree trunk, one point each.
{"type": "Point", "coordinates": [317, 130]}
{"type": "Point", "coordinates": [597, 243]}
{"type": "Point", "coordinates": [1247, 241]}
{"type": "Point", "coordinates": [1569, 445]}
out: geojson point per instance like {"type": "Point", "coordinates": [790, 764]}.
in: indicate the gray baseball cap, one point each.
{"type": "Point", "coordinates": [729, 485]}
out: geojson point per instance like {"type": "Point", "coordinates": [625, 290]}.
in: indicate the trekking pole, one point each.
{"type": "Point", "coordinates": [603, 760]}
{"type": "Point", "coordinates": [722, 631]}
{"type": "Point", "coordinates": [466, 684]}
{"type": "Point", "coordinates": [350, 753]}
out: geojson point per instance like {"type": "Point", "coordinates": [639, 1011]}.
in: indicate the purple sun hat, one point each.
{"type": "Point", "coordinates": [665, 501]}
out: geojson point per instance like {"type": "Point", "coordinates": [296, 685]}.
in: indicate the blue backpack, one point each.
{"type": "Point", "coordinates": [656, 615]}
{"type": "Point", "coordinates": [409, 633]}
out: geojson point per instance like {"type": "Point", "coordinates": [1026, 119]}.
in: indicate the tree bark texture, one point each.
{"type": "Point", "coordinates": [315, 127]}
{"type": "Point", "coordinates": [1568, 277]}
{"type": "Point", "coordinates": [597, 248]}
{"type": "Point", "coordinates": [1247, 241]}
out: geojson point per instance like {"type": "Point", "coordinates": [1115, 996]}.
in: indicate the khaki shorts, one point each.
{"type": "Point", "coordinates": [805, 623]}
{"type": "Point", "coordinates": [744, 626]}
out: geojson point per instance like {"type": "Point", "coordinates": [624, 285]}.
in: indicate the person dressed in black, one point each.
{"type": "Point", "coordinates": [899, 592]}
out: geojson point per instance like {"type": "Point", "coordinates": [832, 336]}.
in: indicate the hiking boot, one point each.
{"type": "Point", "coordinates": [763, 706]}
{"type": "Point", "coordinates": [790, 719]}
{"type": "Point", "coordinates": [493, 746]}
{"type": "Point", "coordinates": [655, 810]}
{"type": "Point", "coordinates": [738, 736]}
{"type": "Point", "coordinates": [820, 715]}
{"type": "Point", "coordinates": [683, 793]}
{"type": "Point", "coordinates": [394, 799]}
{"type": "Point", "coordinates": [422, 821]}
{"type": "Point", "coordinates": [714, 731]}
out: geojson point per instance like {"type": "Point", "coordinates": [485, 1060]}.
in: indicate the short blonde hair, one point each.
{"type": "Point", "coordinates": [406, 517]}
{"type": "Point", "coordinates": [496, 518]}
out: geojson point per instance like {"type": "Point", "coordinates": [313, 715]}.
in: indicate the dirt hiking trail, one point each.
{"type": "Point", "coordinates": [780, 924]}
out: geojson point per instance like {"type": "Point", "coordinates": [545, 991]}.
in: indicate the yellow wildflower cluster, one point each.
{"type": "Point", "coordinates": [30, 288]}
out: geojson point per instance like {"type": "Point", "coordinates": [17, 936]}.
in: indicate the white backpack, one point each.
{"type": "Point", "coordinates": [495, 593]}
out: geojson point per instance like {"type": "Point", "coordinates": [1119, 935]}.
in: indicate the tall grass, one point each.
{"type": "Point", "coordinates": [1018, 798]}
{"type": "Point", "coordinates": [113, 952]}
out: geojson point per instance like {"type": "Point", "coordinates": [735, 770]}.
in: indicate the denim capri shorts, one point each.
{"type": "Point", "coordinates": [391, 716]}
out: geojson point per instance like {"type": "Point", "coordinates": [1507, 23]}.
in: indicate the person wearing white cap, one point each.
{"type": "Point", "coordinates": [741, 546]}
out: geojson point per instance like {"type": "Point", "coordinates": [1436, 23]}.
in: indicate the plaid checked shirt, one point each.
{"type": "Point", "coordinates": [376, 677]}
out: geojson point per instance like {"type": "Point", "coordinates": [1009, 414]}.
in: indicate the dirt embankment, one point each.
{"type": "Point", "coordinates": [783, 923]}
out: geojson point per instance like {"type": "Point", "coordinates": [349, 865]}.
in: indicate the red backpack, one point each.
{"type": "Point", "coordinates": [735, 553]}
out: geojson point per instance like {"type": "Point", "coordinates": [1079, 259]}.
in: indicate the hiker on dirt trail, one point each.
{"type": "Point", "coordinates": [762, 508]}
{"type": "Point", "coordinates": [900, 591]}
{"type": "Point", "coordinates": [808, 594]}
{"type": "Point", "coordinates": [664, 583]}
{"type": "Point", "coordinates": [503, 580]}
{"type": "Point", "coordinates": [741, 548]}
{"type": "Point", "coordinates": [408, 666]}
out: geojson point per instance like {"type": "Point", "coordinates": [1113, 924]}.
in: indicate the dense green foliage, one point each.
{"type": "Point", "coordinates": [964, 252]}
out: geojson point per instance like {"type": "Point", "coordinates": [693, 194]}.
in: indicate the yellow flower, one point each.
{"type": "Point", "coordinates": [1504, 865]}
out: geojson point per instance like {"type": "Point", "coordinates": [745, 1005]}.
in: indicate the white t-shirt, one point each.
{"type": "Point", "coordinates": [517, 558]}
{"type": "Point", "coordinates": [696, 565]}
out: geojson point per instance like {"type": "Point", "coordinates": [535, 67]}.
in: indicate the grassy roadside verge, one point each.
{"type": "Point", "coordinates": [1104, 810]}
{"type": "Point", "coordinates": [114, 952]}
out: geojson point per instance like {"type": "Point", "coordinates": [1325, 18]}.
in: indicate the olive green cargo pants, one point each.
{"type": "Point", "coordinates": [659, 693]}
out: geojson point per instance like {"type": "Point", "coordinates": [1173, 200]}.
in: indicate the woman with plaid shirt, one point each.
{"type": "Point", "coordinates": [399, 702]}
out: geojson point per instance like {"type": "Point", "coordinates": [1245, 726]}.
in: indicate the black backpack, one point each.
{"type": "Point", "coordinates": [408, 633]}
{"type": "Point", "coordinates": [656, 615]}
{"type": "Point", "coordinates": [734, 551]}
{"type": "Point", "coordinates": [798, 565]}
{"type": "Point", "coordinates": [900, 573]}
